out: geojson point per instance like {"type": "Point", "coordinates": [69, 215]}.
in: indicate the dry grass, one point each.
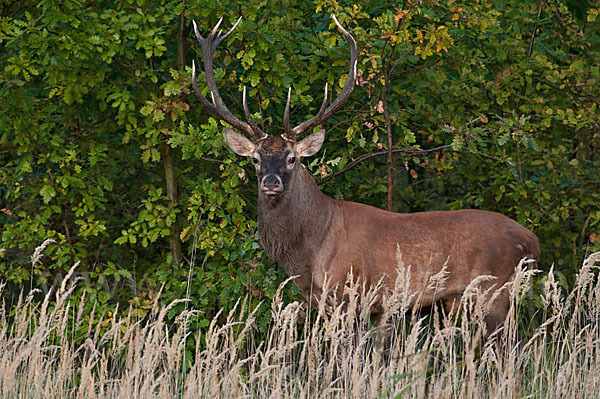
{"type": "Point", "coordinates": [336, 352]}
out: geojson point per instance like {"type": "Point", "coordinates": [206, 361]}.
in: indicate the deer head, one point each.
{"type": "Point", "coordinates": [276, 158]}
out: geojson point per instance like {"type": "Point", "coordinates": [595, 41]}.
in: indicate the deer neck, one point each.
{"type": "Point", "coordinates": [293, 226]}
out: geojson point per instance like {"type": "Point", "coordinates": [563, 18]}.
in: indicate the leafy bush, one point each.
{"type": "Point", "coordinates": [104, 149]}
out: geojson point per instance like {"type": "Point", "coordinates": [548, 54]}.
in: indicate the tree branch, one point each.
{"type": "Point", "coordinates": [390, 143]}
{"type": "Point", "coordinates": [377, 154]}
{"type": "Point", "coordinates": [386, 113]}
{"type": "Point", "coordinates": [417, 68]}
{"type": "Point", "coordinates": [181, 43]}
{"type": "Point", "coordinates": [167, 156]}
{"type": "Point", "coordinates": [535, 28]}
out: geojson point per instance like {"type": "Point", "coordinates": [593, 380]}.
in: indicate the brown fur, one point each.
{"type": "Point", "coordinates": [313, 235]}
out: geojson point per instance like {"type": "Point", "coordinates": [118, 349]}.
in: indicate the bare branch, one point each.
{"type": "Point", "coordinates": [377, 154]}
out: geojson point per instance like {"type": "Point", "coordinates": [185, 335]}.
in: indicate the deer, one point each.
{"type": "Point", "coordinates": [315, 237]}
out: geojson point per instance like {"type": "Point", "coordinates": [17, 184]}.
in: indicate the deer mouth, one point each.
{"type": "Point", "coordinates": [272, 193]}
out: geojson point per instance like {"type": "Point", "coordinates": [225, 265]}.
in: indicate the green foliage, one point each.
{"type": "Point", "coordinates": [98, 121]}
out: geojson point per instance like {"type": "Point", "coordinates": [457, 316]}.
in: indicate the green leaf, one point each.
{"type": "Point", "coordinates": [457, 143]}
{"type": "Point", "coordinates": [47, 192]}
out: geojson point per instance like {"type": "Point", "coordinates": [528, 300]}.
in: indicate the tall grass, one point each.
{"type": "Point", "coordinates": [335, 351]}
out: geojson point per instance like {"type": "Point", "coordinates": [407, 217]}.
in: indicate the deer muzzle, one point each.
{"type": "Point", "coordinates": [271, 184]}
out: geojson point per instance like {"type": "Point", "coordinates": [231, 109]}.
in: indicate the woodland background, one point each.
{"type": "Point", "coordinates": [105, 150]}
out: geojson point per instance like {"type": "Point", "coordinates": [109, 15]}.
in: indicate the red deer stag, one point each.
{"type": "Point", "coordinates": [313, 235]}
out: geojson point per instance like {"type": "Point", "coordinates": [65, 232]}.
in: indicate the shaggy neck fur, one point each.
{"type": "Point", "coordinates": [293, 226]}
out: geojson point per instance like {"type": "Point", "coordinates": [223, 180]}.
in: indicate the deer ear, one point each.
{"type": "Point", "coordinates": [311, 144]}
{"type": "Point", "coordinates": [238, 143]}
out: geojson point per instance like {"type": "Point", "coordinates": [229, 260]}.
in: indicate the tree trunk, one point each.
{"type": "Point", "coordinates": [167, 156]}
{"type": "Point", "coordinates": [174, 242]}
{"type": "Point", "coordinates": [390, 159]}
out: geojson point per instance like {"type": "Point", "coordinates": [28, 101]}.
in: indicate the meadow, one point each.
{"type": "Point", "coordinates": [333, 351]}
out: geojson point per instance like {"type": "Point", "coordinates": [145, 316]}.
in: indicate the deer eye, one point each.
{"type": "Point", "coordinates": [255, 160]}
{"type": "Point", "coordinates": [291, 160]}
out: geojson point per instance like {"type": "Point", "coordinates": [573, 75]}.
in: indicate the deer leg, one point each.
{"type": "Point", "coordinates": [497, 311]}
{"type": "Point", "coordinates": [452, 307]}
{"type": "Point", "coordinates": [509, 347]}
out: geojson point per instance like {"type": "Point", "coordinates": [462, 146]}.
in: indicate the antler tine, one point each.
{"type": "Point", "coordinates": [216, 27]}
{"type": "Point", "coordinates": [218, 107]}
{"type": "Point", "coordinates": [249, 118]}
{"type": "Point", "coordinates": [221, 38]}
{"type": "Point", "coordinates": [199, 94]}
{"type": "Point", "coordinates": [324, 103]}
{"type": "Point", "coordinates": [341, 99]}
{"type": "Point", "coordinates": [286, 117]}
{"type": "Point", "coordinates": [196, 32]}
{"type": "Point", "coordinates": [289, 133]}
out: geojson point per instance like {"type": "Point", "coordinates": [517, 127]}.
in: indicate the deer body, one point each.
{"type": "Point", "coordinates": [316, 237]}
{"type": "Point", "coordinates": [313, 236]}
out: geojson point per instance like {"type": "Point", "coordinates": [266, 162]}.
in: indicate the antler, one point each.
{"type": "Point", "coordinates": [218, 107]}
{"type": "Point", "coordinates": [324, 113]}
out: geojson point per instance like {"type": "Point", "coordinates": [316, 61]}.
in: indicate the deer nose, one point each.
{"type": "Point", "coordinates": [271, 184]}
